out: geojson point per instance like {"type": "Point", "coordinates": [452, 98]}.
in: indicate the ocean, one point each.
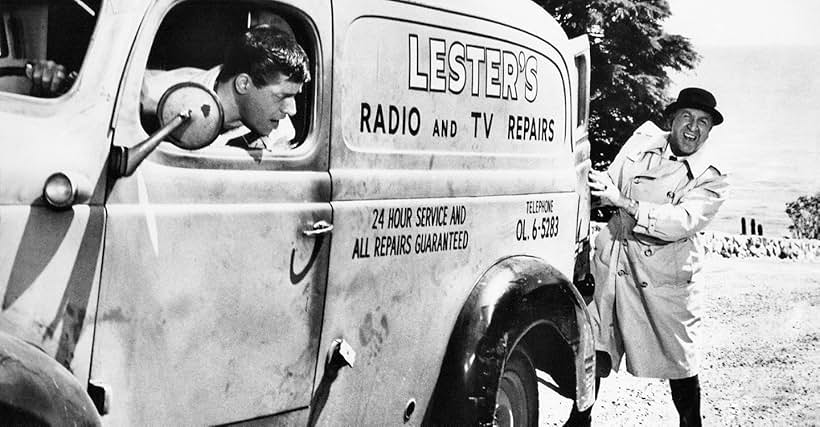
{"type": "Point", "coordinates": [769, 143]}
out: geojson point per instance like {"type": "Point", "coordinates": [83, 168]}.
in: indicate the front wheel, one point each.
{"type": "Point", "coordinates": [517, 400]}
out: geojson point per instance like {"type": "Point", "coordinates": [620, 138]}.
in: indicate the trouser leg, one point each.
{"type": "Point", "coordinates": [584, 418]}
{"type": "Point", "coordinates": [686, 396]}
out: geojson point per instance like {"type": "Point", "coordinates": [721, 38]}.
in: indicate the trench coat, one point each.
{"type": "Point", "coordinates": [648, 302]}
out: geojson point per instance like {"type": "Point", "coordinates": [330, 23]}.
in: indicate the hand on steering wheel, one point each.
{"type": "Point", "coordinates": [48, 78]}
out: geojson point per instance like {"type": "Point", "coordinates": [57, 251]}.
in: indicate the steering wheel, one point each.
{"type": "Point", "coordinates": [13, 77]}
{"type": "Point", "coordinates": [13, 67]}
{"type": "Point", "coordinates": [13, 73]}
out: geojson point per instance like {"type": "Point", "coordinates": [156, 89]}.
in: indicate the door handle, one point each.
{"type": "Point", "coordinates": [319, 228]}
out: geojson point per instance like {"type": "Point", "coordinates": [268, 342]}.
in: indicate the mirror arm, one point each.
{"type": "Point", "coordinates": [124, 160]}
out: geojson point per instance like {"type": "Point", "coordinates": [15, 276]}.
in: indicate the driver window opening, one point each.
{"type": "Point", "coordinates": [194, 43]}
{"type": "Point", "coordinates": [48, 33]}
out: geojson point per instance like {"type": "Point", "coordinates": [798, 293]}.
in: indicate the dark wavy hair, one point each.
{"type": "Point", "coordinates": [263, 52]}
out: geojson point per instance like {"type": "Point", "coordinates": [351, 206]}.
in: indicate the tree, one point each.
{"type": "Point", "coordinates": [630, 55]}
{"type": "Point", "coordinates": [805, 215]}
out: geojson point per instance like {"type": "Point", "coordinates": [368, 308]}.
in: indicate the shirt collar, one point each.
{"type": "Point", "coordinates": [699, 161]}
{"type": "Point", "coordinates": [208, 78]}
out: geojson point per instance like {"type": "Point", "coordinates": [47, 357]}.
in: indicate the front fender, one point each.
{"type": "Point", "coordinates": [514, 296]}
{"type": "Point", "coordinates": [36, 390]}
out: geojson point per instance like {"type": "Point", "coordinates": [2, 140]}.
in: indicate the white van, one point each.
{"type": "Point", "coordinates": [409, 259]}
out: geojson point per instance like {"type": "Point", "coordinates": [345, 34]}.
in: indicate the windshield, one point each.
{"type": "Point", "coordinates": [43, 43]}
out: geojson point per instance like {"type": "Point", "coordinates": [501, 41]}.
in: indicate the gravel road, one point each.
{"type": "Point", "coordinates": [761, 349]}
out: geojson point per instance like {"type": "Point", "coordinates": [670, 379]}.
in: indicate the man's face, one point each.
{"type": "Point", "coordinates": [261, 107]}
{"type": "Point", "coordinates": [690, 129]}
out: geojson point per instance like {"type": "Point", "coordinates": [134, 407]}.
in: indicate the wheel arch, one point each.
{"type": "Point", "coordinates": [520, 300]}
{"type": "Point", "coordinates": [36, 390]}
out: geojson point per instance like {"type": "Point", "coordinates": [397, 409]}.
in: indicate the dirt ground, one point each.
{"type": "Point", "coordinates": [761, 354]}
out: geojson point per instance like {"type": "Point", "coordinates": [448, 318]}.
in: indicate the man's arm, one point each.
{"type": "Point", "coordinates": [667, 221]}
{"type": "Point", "coordinates": [605, 185]}
{"type": "Point", "coordinates": [689, 216]}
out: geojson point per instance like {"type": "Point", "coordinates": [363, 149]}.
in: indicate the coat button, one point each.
{"type": "Point", "coordinates": [621, 272]}
{"type": "Point", "coordinates": [670, 195]}
{"type": "Point", "coordinates": [648, 252]}
{"type": "Point", "coordinates": [643, 284]}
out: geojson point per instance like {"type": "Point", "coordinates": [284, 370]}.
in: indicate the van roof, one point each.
{"type": "Point", "coordinates": [525, 15]}
{"type": "Point", "coordinates": [521, 14]}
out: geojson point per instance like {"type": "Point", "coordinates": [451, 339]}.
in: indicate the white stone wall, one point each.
{"type": "Point", "coordinates": [745, 246]}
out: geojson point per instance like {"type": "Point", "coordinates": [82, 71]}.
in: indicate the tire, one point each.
{"type": "Point", "coordinates": [517, 398]}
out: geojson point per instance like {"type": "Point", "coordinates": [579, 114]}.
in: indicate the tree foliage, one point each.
{"type": "Point", "coordinates": [631, 56]}
{"type": "Point", "coordinates": [805, 215]}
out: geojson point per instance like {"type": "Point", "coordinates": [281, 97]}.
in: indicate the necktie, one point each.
{"type": "Point", "coordinates": [245, 141]}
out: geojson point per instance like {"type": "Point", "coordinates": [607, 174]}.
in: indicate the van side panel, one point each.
{"type": "Point", "coordinates": [437, 92]}
{"type": "Point", "coordinates": [402, 269]}
{"type": "Point", "coordinates": [439, 169]}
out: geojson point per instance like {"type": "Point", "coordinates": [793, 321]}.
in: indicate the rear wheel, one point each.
{"type": "Point", "coordinates": [517, 400]}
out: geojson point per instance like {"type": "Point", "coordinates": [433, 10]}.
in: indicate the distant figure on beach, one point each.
{"type": "Point", "coordinates": [647, 304]}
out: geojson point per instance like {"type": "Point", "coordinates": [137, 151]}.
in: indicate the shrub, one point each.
{"type": "Point", "coordinates": [805, 215]}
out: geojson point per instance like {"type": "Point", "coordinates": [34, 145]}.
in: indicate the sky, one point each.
{"type": "Point", "coordinates": [746, 22]}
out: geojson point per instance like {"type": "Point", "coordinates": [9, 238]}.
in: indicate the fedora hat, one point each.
{"type": "Point", "coordinates": [697, 98]}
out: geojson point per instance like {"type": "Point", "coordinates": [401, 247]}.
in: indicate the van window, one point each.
{"type": "Point", "coordinates": [190, 45]}
{"type": "Point", "coordinates": [56, 30]}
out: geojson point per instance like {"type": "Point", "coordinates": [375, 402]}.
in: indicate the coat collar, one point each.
{"type": "Point", "coordinates": [654, 141]}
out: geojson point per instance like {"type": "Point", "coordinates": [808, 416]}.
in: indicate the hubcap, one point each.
{"type": "Point", "coordinates": [510, 409]}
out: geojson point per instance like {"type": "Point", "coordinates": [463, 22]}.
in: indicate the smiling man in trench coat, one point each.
{"type": "Point", "coordinates": [648, 299]}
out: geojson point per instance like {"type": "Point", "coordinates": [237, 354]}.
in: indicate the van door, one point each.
{"type": "Point", "coordinates": [212, 291]}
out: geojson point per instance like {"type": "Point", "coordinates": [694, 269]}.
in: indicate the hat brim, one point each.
{"type": "Point", "coordinates": [717, 118]}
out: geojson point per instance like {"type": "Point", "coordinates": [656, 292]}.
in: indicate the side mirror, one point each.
{"type": "Point", "coordinates": [206, 115]}
{"type": "Point", "coordinates": [190, 116]}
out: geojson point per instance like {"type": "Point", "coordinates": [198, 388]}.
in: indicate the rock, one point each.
{"type": "Point", "coordinates": [755, 247]}
{"type": "Point", "coordinates": [785, 251]}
